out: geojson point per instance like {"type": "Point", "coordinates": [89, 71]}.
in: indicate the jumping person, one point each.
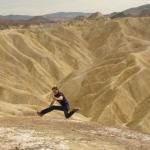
{"type": "Point", "coordinates": [64, 105]}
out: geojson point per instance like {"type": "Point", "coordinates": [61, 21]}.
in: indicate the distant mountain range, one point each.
{"type": "Point", "coordinates": [15, 20]}
{"type": "Point", "coordinates": [140, 11]}
{"type": "Point", "coordinates": [6, 23]}
{"type": "Point", "coordinates": [16, 17]}
{"type": "Point", "coordinates": [54, 16]}
{"type": "Point", "coordinates": [65, 15]}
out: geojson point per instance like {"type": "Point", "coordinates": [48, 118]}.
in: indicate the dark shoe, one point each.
{"type": "Point", "coordinates": [39, 114]}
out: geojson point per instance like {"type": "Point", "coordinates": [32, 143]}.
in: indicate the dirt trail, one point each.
{"type": "Point", "coordinates": [34, 133]}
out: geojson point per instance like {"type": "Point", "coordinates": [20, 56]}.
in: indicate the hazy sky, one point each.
{"type": "Point", "coordinates": [38, 7]}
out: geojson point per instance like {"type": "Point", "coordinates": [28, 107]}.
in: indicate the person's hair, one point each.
{"type": "Point", "coordinates": [54, 88]}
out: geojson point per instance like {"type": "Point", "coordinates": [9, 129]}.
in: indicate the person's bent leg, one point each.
{"type": "Point", "coordinates": [45, 111]}
{"type": "Point", "coordinates": [49, 109]}
{"type": "Point", "coordinates": [66, 111]}
{"type": "Point", "coordinates": [68, 114]}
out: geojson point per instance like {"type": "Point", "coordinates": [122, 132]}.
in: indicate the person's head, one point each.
{"type": "Point", "coordinates": [55, 89]}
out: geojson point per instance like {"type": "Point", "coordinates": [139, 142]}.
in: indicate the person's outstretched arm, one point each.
{"type": "Point", "coordinates": [51, 100]}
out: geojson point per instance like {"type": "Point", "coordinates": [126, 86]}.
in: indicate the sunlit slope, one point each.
{"type": "Point", "coordinates": [102, 65]}
{"type": "Point", "coordinates": [115, 89]}
{"type": "Point", "coordinates": [31, 60]}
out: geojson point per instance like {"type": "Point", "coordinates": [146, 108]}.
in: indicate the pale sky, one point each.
{"type": "Point", "coordinates": [39, 7]}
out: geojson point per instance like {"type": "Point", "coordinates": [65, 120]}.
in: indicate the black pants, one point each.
{"type": "Point", "coordinates": [64, 108]}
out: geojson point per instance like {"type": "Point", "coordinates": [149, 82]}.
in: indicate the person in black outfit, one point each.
{"type": "Point", "coordinates": [64, 105]}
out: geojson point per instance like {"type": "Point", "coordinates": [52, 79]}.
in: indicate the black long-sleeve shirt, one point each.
{"type": "Point", "coordinates": [62, 102]}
